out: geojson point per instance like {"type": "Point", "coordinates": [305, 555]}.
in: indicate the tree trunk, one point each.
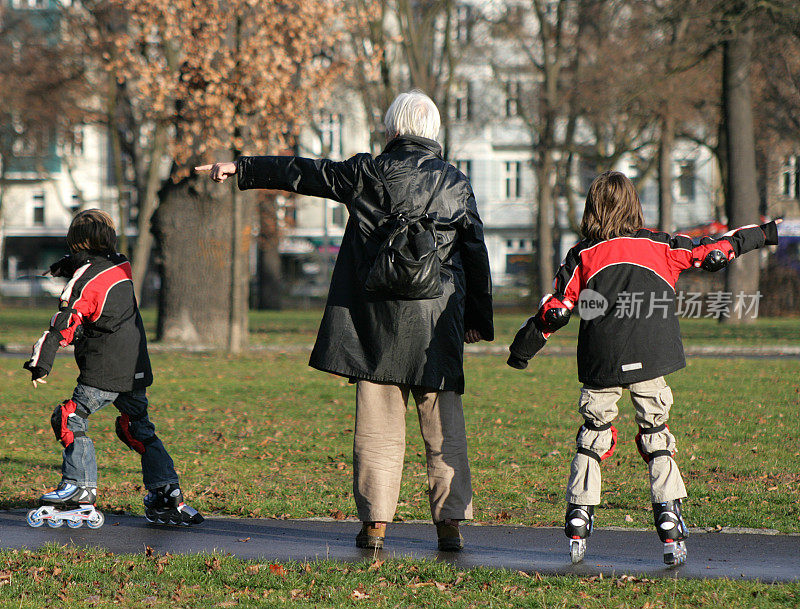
{"type": "Point", "coordinates": [237, 327]}
{"type": "Point", "coordinates": [193, 228]}
{"type": "Point", "coordinates": [116, 160]}
{"type": "Point", "coordinates": [147, 207]}
{"type": "Point", "coordinates": [742, 275]}
{"type": "Point", "coordinates": [544, 262]}
{"type": "Point", "coordinates": [270, 281]}
{"type": "Point", "coordinates": [665, 178]}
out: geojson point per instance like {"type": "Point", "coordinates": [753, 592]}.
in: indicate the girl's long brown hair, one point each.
{"type": "Point", "coordinates": [612, 208]}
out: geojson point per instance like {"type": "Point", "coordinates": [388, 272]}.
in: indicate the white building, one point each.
{"type": "Point", "coordinates": [490, 143]}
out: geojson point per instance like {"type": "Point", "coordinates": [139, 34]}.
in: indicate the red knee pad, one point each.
{"type": "Point", "coordinates": [123, 429]}
{"type": "Point", "coordinates": [591, 453]}
{"type": "Point", "coordinates": [58, 421]}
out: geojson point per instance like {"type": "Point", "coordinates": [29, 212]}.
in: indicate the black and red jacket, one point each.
{"type": "Point", "coordinates": [98, 314]}
{"type": "Point", "coordinates": [632, 334]}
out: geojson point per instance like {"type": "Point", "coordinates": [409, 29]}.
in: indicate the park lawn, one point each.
{"type": "Point", "coordinates": [23, 326]}
{"type": "Point", "coordinates": [264, 435]}
{"type": "Point", "coordinates": [62, 576]}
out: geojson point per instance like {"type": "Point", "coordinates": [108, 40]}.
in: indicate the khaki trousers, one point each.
{"type": "Point", "coordinates": [380, 443]}
{"type": "Point", "coordinates": [652, 400]}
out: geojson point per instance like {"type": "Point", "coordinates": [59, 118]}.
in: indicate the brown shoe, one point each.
{"type": "Point", "coordinates": [371, 535]}
{"type": "Point", "coordinates": [450, 539]}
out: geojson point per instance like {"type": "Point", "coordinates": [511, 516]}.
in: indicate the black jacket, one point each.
{"type": "Point", "coordinates": [98, 314]}
{"type": "Point", "coordinates": [624, 289]}
{"type": "Point", "coordinates": [413, 342]}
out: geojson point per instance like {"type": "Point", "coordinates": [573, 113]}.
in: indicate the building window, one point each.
{"type": "Point", "coordinates": [38, 208]}
{"type": "Point", "coordinates": [464, 167]}
{"type": "Point", "coordinates": [461, 109]}
{"type": "Point", "coordinates": [513, 179]}
{"type": "Point", "coordinates": [512, 98]}
{"type": "Point", "coordinates": [790, 180]}
{"type": "Point", "coordinates": [686, 180]}
{"type": "Point", "coordinates": [463, 23]}
{"type": "Point", "coordinates": [337, 216]}
{"type": "Point", "coordinates": [28, 3]}
{"type": "Point", "coordinates": [330, 133]}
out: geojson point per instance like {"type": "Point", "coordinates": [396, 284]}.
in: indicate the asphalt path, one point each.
{"type": "Point", "coordinates": [712, 554]}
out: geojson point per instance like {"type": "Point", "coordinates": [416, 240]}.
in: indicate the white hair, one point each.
{"type": "Point", "coordinates": [412, 113]}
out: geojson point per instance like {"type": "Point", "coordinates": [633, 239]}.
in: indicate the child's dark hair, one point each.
{"type": "Point", "coordinates": [612, 208]}
{"type": "Point", "coordinates": [91, 230]}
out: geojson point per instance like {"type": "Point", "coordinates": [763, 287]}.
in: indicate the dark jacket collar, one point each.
{"type": "Point", "coordinates": [414, 141]}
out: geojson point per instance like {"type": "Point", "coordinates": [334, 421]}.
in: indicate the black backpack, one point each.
{"type": "Point", "coordinates": [406, 265]}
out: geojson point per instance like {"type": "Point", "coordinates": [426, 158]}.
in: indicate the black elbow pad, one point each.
{"type": "Point", "coordinates": [714, 261]}
{"type": "Point", "coordinates": [556, 318]}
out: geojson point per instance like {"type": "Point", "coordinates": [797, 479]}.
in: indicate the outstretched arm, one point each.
{"type": "Point", "coordinates": [554, 313]}
{"type": "Point", "coordinates": [61, 333]}
{"type": "Point", "coordinates": [313, 177]}
{"type": "Point", "coordinates": [714, 254]}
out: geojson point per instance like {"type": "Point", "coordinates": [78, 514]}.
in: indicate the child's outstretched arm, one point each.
{"type": "Point", "coordinates": [554, 313]}
{"type": "Point", "coordinates": [714, 254]}
{"type": "Point", "coordinates": [63, 326]}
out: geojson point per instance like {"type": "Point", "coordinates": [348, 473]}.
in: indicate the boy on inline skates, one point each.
{"type": "Point", "coordinates": [616, 264]}
{"type": "Point", "coordinates": [98, 314]}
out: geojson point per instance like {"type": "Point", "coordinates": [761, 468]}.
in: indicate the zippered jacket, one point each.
{"type": "Point", "coordinates": [362, 335]}
{"type": "Point", "coordinates": [97, 314]}
{"type": "Point", "coordinates": [625, 290]}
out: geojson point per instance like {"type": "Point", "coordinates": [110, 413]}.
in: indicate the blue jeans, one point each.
{"type": "Point", "coordinates": [80, 465]}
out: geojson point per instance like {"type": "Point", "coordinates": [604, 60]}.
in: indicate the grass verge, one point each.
{"type": "Point", "coordinates": [67, 577]}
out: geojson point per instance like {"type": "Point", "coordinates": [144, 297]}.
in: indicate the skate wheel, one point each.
{"type": "Point", "coordinates": [54, 523]}
{"type": "Point", "coordinates": [35, 519]}
{"type": "Point", "coordinates": [577, 550]}
{"type": "Point", "coordinates": [674, 553]}
{"type": "Point", "coordinates": [96, 520]}
{"type": "Point", "coordinates": [74, 524]}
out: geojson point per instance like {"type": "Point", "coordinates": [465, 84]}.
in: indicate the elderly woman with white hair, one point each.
{"type": "Point", "coordinates": [396, 346]}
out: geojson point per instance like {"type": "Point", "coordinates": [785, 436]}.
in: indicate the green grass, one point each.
{"type": "Point", "coordinates": [22, 326]}
{"type": "Point", "coordinates": [264, 435]}
{"type": "Point", "coordinates": [68, 577]}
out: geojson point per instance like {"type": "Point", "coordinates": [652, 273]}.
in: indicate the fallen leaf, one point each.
{"type": "Point", "coordinates": [278, 570]}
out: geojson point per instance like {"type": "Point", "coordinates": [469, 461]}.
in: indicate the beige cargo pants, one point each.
{"type": "Point", "coordinates": [380, 443]}
{"type": "Point", "coordinates": [652, 400]}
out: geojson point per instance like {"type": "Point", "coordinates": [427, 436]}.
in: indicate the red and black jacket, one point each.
{"type": "Point", "coordinates": [98, 314]}
{"type": "Point", "coordinates": [633, 334]}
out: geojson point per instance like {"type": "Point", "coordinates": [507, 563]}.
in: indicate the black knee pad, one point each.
{"type": "Point", "coordinates": [656, 453]}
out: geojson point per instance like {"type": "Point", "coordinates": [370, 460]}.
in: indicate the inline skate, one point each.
{"type": "Point", "coordinates": [165, 505]}
{"type": "Point", "coordinates": [67, 503]}
{"type": "Point", "coordinates": [671, 530]}
{"type": "Point", "coordinates": [579, 522]}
